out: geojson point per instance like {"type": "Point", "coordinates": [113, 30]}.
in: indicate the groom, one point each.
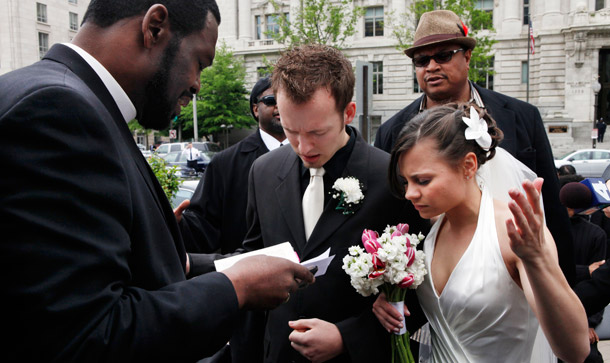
{"type": "Point", "coordinates": [329, 320]}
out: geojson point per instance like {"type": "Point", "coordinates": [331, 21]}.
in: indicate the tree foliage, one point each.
{"type": "Point", "coordinates": [222, 99]}
{"type": "Point", "coordinates": [167, 175]}
{"type": "Point", "coordinates": [328, 22]}
{"type": "Point", "coordinates": [478, 22]}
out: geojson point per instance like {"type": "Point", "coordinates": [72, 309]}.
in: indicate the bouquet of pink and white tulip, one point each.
{"type": "Point", "coordinates": [391, 264]}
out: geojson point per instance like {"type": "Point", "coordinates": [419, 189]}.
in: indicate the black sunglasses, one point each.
{"type": "Point", "coordinates": [440, 58]}
{"type": "Point", "coordinates": [268, 100]}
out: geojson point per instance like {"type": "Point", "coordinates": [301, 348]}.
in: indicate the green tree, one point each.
{"type": "Point", "coordinates": [328, 22]}
{"type": "Point", "coordinates": [167, 175]}
{"type": "Point", "coordinates": [478, 22]}
{"type": "Point", "coordinates": [222, 99]}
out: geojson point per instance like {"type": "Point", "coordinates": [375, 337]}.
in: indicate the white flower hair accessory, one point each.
{"type": "Point", "coordinates": [477, 129]}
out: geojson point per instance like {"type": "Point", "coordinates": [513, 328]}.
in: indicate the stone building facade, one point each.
{"type": "Point", "coordinates": [29, 28]}
{"type": "Point", "coordinates": [571, 53]}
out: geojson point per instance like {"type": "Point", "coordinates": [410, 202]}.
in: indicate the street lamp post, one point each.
{"type": "Point", "coordinates": [596, 88]}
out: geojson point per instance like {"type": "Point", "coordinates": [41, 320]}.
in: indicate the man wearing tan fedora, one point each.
{"type": "Point", "coordinates": [441, 54]}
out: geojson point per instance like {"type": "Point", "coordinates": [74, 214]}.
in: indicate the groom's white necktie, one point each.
{"type": "Point", "coordinates": [313, 200]}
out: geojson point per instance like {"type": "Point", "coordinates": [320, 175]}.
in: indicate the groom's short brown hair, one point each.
{"type": "Point", "coordinates": [302, 70]}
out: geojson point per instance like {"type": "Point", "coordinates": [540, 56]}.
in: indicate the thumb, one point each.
{"type": "Point", "coordinates": [178, 211]}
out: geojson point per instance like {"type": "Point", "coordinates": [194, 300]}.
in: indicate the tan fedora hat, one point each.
{"type": "Point", "coordinates": [440, 26]}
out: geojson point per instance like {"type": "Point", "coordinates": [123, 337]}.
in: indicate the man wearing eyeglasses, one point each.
{"type": "Point", "coordinates": [441, 55]}
{"type": "Point", "coordinates": [215, 220]}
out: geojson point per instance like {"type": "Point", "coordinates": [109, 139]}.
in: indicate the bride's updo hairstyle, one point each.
{"type": "Point", "coordinates": [445, 126]}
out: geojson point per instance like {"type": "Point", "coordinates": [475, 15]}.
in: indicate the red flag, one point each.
{"type": "Point", "coordinates": [531, 36]}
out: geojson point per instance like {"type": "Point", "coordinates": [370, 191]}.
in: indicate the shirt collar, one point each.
{"type": "Point", "coordinates": [474, 97]}
{"type": "Point", "coordinates": [271, 142]}
{"type": "Point", "coordinates": [125, 105]}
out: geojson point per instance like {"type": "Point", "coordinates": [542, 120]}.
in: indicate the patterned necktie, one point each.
{"type": "Point", "coordinates": [313, 200]}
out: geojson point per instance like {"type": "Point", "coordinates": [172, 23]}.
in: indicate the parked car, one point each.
{"type": "Point", "coordinates": [590, 163]}
{"type": "Point", "coordinates": [204, 146]}
{"type": "Point", "coordinates": [144, 150]}
{"type": "Point", "coordinates": [185, 191]}
{"type": "Point", "coordinates": [179, 159]}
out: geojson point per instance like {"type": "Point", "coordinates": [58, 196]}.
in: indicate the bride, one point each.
{"type": "Point", "coordinates": [493, 274]}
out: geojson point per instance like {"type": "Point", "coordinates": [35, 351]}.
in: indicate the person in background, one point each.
{"type": "Point", "coordinates": [441, 54]}
{"type": "Point", "coordinates": [589, 246]}
{"type": "Point", "coordinates": [216, 217]}
{"type": "Point", "coordinates": [566, 169]}
{"type": "Point", "coordinates": [192, 155]}
{"type": "Point", "coordinates": [93, 265]}
{"type": "Point", "coordinates": [601, 129]}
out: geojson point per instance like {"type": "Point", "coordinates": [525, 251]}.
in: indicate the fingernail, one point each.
{"type": "Point", "coordinates": [407, 313]}
{"type": "Point", "coordinates": [400, 326]}
{"type": "Point", "coordinates": [396, 330]}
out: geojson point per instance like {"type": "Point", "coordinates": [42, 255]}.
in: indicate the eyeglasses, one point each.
{"type": "Point", "coordinates": [268, 100]}
{"type": "Point", "coordinates": [440, 58]}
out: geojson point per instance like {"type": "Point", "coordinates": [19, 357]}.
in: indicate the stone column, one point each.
{"type": "Point", "coordinates": [552, 17]}
{"type": "Point", "coordinates": [245, 20]}
{"type": "Point", "coordinates": [512, 21]}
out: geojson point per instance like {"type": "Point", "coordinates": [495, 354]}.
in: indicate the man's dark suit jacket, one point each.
{"type": "Point", "coordinates": [525, 138]}
{"type": "Point", "coordinates": [595, 292]}
{"type": "Point", "coordinates": [216, 217]}
{"type": "Point", "coordinates": [275, 216]}
{"type": "Point", "coordinates": [92, 261]}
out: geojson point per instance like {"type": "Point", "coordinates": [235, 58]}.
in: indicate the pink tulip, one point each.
{"type": "Point", "coordinates": [410, 255]}
{"type": "Point", "coordinates": [369, 240]}
{"type": "Point", "coordinates": [376, 274]}
{"type": "Point", "coordinates": [406, 282]}
{"type": "Point", "coordinates": [402, 227]}
{"type": "Point", "coordinates": [377, 263]}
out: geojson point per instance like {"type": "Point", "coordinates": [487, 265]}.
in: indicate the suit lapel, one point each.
{"type": "Point", "coordinates": [331, 219]}
{"type": "Point", "coordinates": [77, 64]}
{"type": "Point", "coordinates": [505, 119]}
{"type": "Point", "coordinates": [289, 196]}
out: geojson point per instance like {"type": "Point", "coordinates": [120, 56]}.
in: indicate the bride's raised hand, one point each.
{"type": "Point", "coordinates": [390, 318]}
{"type": "Point", "coordinates": [526, 229]}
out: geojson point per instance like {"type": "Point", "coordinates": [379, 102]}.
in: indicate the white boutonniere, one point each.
{"type": "Point", "coordinates": [477, 129]}
{"type": "Point", "coordinates": [348, 191]}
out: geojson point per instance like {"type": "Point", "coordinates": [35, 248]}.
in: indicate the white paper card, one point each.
{"type": "Point", "coordinates": [284, 250]}
{"type": "Point", "coordinates": [322, 261]}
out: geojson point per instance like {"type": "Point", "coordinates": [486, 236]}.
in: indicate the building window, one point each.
{"type": "Point", "coordinates": [262, 72]}
{"type": "Point", "coordinates": [41, 12]}
{"type": "Point", "coordinates": [488, 7]}
{"type": "Point", "coordinates": [526, 12]}
{"type": "Point", "coordinates": [259, 27]}
{"type": "Point", "coordinates": [373, 22]}
{"type": "Point", "coordinates": [485, 77]}
{"type": "Point", "coordinates": [73, 21]}
{"type": "Point", "coordinates": [375, 123]}
{"type": "Point", "coordinates": [525, 72]}
{"type": "Point", "coordinates": [377, 78]}
{"type": "Point", "coordinates": [416, 88]}
{"type": "Point", "coordinates": [272, 25]}
{"type": "Point", "coordinates": [73, 2]}
{"type": "Point", "coordinates": [599, 4]}
{"type": "Point", "coordinates": [43, 44]}
{"type": "Point", "coordinates": [268, 25]}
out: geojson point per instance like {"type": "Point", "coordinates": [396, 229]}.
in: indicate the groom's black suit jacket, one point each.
{"type": "Point", "coordinates": [275, 215]}
{"type": "Point", "coordinates": [525, 138]}
{"type": "Point", "coordinates": [91, 258]}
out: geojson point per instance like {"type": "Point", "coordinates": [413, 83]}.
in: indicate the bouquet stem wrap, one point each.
{"type": "Point", "coordinates": [401, 349]}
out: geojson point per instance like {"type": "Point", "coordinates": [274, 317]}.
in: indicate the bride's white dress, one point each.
{"type": "Point", "coordinates": [481, 315]}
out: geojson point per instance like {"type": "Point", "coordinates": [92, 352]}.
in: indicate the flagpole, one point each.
{"type": "Point", "coordinates": [529, 49]}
